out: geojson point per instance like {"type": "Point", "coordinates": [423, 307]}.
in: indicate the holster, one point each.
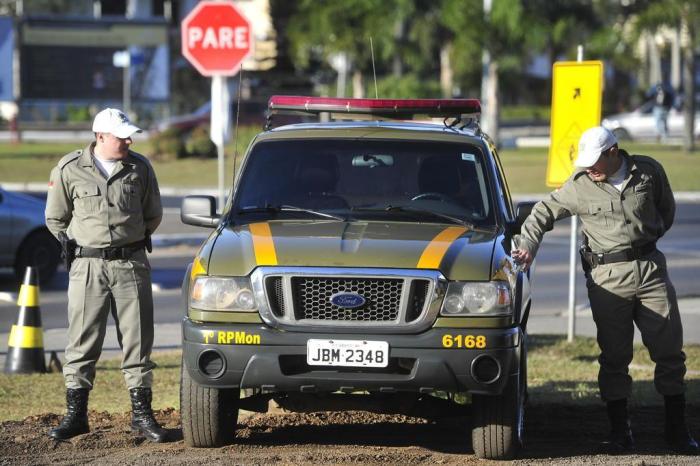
{"type": "Point", "coordinates": [148, 242]}
{"type": "Point", "coordinates": [585, 252]}
{"type": "Point", "coordinates": [67, 249]}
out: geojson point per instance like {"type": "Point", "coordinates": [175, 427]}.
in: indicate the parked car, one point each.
{"type": "Point", "coordinates": [639, 124]}
{"type": "Point", "coordinates": [24, 238]}
{"type": "Point", "coordinates": [186, 122]}
{"type": "Point", "coordinates": [360, 265]}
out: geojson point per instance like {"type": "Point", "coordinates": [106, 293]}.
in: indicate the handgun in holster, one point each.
{"type": "Point", "coordinates": [67, 249]}
{"type": "Point", "coordinates": [586, 260]}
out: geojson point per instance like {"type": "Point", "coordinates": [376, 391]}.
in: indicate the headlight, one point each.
{"type": "Point", "coordinates": [222, 294]}
{"type": "Point", "coordinates": [477, 298]}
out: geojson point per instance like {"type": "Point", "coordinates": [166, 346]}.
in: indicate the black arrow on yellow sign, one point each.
{"type": "Point", "coordinates": [577, 92]}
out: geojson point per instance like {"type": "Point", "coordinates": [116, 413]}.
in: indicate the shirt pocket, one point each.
{"type": "Point", "coordinates": [600, 214]}
{"type": "Point", "coordinates": [130, 196]}
{"type": "Point", "coordinates": [86, 199]}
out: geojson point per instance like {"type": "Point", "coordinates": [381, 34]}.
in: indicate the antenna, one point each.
{"type": "Point", "coordinates": [235, 134]}
{"type": "Point", "coordinates": [374, 69]}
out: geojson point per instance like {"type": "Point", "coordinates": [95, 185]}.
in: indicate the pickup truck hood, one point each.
{"type": "Point", "coordinates": [458, 252]}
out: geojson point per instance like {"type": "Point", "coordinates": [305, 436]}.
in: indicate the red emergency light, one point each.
{"type": "Point", "coordinates": [388, 108]}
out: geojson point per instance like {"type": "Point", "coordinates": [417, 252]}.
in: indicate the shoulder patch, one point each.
{"type": "Point", "coordinates": [66, 159]}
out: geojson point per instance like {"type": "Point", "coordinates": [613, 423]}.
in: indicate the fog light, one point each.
{"type": "Point", "coordinates": [211, 363]}
{"type": "Point", "coordinates": [485, 369]}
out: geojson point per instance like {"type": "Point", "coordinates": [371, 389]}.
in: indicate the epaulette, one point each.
{"type": "Point", "coordinates": [645, 159]}
{"type": "Point", "coordinates": [142, 159]}
{"type": "Point", "coordinates": [139, 157]}
{"type": "Point", "coordinates": [69, 158]}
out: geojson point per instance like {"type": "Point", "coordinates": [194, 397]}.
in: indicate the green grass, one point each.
{"type": "Point", "coordinates": [561, 372]}
{"type": "Point", "coordinates": [525, 112]}
{"type": "Point", "coordinates": [32, 162]}
{"type": "Point", "coordinates": [23, 395]}
{"type": "Point", "coordinates": [525, 168]}
{"type": "Point", "coordinates": [558, 372]}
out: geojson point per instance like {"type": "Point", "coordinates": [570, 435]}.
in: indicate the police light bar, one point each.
{"type": "Point", "coordinates": [391, 108]}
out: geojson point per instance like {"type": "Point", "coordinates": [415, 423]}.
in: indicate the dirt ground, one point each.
{"type": "Point", "coordinates": [555, 435]}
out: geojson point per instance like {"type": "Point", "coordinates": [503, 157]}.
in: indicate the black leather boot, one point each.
{"type": "Point", "coordinates": [75, 422]}
{"type": "Point", "coordinates": [620, 439]}
{"type": "Point", "coordinates": [142, 420]}
{"type": "Point", "coordinates": [677, 434]}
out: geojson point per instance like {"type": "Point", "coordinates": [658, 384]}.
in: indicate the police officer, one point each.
{"type": "Point", "coordinates": [105, 198]}
{"type": "Point", "coordinates": [625, 204]}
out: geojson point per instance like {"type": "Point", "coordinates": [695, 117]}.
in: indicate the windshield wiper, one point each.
{"type": "Point", "coordinates": [288, 208]}
{"type": "Point", "coordinates": [391, 208]}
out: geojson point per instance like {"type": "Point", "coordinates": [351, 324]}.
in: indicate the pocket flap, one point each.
{"type": "Point", "coordinates": [87, 190]}
{"type": "Point", "coordinates": [599, 207]}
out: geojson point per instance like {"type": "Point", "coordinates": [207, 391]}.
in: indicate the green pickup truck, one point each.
{"type": "Point", "coordinates": [361, 262]}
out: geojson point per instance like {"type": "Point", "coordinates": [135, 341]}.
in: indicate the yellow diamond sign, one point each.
{"type": "Point", "coordinates": [577, 94]}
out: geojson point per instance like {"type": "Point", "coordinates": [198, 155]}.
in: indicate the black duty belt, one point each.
{"type": "Point", "coordinates": [599, 258]}
{"type": "Point", "coordinates": [123, 252]}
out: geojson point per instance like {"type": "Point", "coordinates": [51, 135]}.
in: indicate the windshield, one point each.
{"type": "Point", "coordinates": [409, 181]}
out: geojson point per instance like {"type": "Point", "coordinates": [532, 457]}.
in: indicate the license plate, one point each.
{"type": "Point", "coordinates": [349, 353]}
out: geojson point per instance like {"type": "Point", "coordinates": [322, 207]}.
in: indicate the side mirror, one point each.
{"type": "Point", "coordinates": [199, 211]}
{"type": "Point", "coordinates": [522, 211]}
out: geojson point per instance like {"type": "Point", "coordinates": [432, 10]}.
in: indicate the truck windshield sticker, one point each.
{"type": "Point", "coordinates": [469, 157]}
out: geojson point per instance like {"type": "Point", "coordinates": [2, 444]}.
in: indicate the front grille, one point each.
{"type": "Point", "coordinates": [275, 294]}
{"type": "Point", "coordinates": [312, 298]}
{"type": "Point", "coordinates": [416, 299]}
{"type": "Point", "coordinates": [395, 300]}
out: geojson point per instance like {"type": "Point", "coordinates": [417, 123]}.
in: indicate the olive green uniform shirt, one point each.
{"type": "Point", "coordinates": [612, 220]}
{"type": "Point", "coordinates": [101, 212]}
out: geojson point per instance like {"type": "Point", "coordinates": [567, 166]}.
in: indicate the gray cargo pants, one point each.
{"type": "Point", "coordinates": [636, 292]}
{"type": "Point", "coordinates": [97, 287]}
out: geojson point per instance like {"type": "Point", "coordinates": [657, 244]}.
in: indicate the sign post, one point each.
{"type": "Point", "coordinates": [216, 38]}
{"type": "Point", "coordinates": [577, 92]}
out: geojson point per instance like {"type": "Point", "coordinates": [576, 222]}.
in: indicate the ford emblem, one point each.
{"type": "Point", "coordinates": [347, 300]}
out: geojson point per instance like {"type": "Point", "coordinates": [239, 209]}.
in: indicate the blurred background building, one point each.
{"type": "Point", "coordinates": [61, 60]}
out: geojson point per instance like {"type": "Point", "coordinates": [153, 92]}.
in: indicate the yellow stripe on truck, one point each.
{"type": "Point", "coordinates": [437, 248]}
{"type": "Point", "coordinates": [263, 245]}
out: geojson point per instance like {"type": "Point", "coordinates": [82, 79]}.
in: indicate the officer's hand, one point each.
{"type": "Point", "coordinates": [522, 258]}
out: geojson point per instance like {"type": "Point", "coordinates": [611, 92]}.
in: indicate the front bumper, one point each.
{"type": "Point", "coordinates": [261, 357]}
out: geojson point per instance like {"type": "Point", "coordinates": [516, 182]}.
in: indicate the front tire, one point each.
{"type": "Point", "coordinates": [208, 415]}
{"type": "Point", "coordinates": [499, 420]}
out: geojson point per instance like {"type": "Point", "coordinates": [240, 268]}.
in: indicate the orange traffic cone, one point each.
{"type": "Point", "coordinates": [25, 348]}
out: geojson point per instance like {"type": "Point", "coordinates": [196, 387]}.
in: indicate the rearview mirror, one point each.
{"type": "Point", "coordinates": [373, 160]}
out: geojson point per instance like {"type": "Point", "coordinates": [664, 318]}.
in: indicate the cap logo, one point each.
{"type": "Point", "coordinates": [123, 117]}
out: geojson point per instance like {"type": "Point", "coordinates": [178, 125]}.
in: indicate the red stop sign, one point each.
{"type": "Point", "coordinates": [216, 38]}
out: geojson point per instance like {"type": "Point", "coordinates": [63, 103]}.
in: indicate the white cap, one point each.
{"type": "Point", "coordinates": [593, 142]}
{"type": "Point", "coordinates": [114, 121]}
